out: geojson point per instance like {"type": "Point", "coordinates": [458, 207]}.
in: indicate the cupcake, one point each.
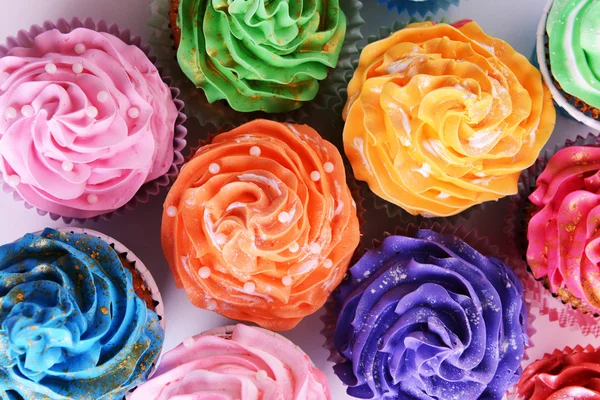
{"type": "Point", "coordinates": [568, 374]}
{"type": "Point", "coordinates": [419, 7]}
{"type": "Point", "coordinates": [569, 59]}
{"type": "Point", "coordinates": [563, 243]}
{"type": "Point", "coordinates": [427, 316]}
{"type": "Point", "coordinates": [260, 225]}
{"type": "Point", "coordinates": [78, 320]}
{"type": "Point", "coordinates": [77, 101]}
{"type": "Point", "coordinates": [255, 55]}
{"type": "Point", "coordinates": [236, 362]}
{"type": "Point", "coordinates": [440, 118]}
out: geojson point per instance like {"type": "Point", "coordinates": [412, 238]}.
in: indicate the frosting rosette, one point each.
{"type": "Point", "coordinates": [569, 374]}
{"type": "Point", "coordinates": [85, 121]}
{"type": "Point", "coordinates": [260, 225]}
{"type": "Point", "coordinates": [442, 117]}
{"type": "Point", "coordinates": [72, 326]}
{"type": "Point", "coordinates": [573, 32]}
{"type": "Point", "coordinates": [564, 245]}
{"type": "Point", "coordinates": [426, 316]}
{"type": "Point", "coordinates": [247, 364]}
{"type": "Point", "coordinates": [259, 55]}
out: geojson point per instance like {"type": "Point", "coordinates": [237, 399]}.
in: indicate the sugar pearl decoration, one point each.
{"type": "Point", "coordinates": [255, 151]}
{"type": "Point", "coordinates": [328, 263]}
{"type": "Point", "coordinates": [249, 287]}
{"type": "Point", "coordinates": [315, 176]}
{"type": "Point", "coordinates": [220, 238]}
{"type": "Point", "coordinates": [10, 113]}
{"type": "Point", "coordinates": [262, 375]}
{"type": "Point", "coordinates": [171, 211]}
{"type": "Point", "coordinates": [27, 110]}
{"type": "Point", "coordinates": [133, 112]}
{"type": "Point", "coordinates": [204, 272]}
{"type": "Point", "coordinates": [13, 180]}
{"type": "Point", "coordinates": [287, 280]}
{"type": "Point", "coordinates": [80, 48]}
{"type": "Point", "coordinates": [91, 112]}
{"type": "Point", "coordinates": [188, 342]}
{"type": "Point", "coordinates": [92, 198]}
{"type": "Point", "coordinates": [315, 248]}
{"type": "Point", "coordinates": [294, 247]}
{"type": "Point", "coordinates": [51, 68]}
{"type": "Point", "coordinates": [283, 217]}
{"type": "Point", "coordinates": [211, 305]}
{"type": "Point", "coordinates": [67, 166]}
{"type": "Point", "coordinates": [214, 168]}
{"type": "Point", "coordinates": [328, 167]}
{"type": "Point", "coordinates": [102, 97]}
{"type": "Point", "coordinates": [77, 68]}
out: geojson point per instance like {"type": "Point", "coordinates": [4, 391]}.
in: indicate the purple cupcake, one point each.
{"type": "Point", "coordinates": [427, 316]}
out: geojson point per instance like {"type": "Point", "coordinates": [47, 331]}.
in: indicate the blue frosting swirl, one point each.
{"type": "Point", "coordinates": [419, 7]}
{"type": "Point", "coordinates": [428, 317]}
{"type": "Point", "coordinates": [71, 325]}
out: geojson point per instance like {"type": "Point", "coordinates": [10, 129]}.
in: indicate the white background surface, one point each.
{"type": "Point", "coordinates": [512, 20]}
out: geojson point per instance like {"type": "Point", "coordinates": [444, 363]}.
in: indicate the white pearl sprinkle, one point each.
{"type": "Point", "coordinates": [294, 247]}
{"type": "Point", "coordinates": [287, 280]}
{"type": "Point", "coordinates": [315, 176]}
{"type": "Point", "coordinates": [211, 305]}
{"type": "Point", "coordinates": [171, 211]}
{"type": "Point", "coordinates": [91, 112]}
{"type": "Point", "coordinates": [13, 180]}
{"type": "Point", "coordinates": [214, 168]}
{"type": "Point", "coordinates": [67, 166]}
{"type": "Point", "coordinates": [27, 110]}
{"type": "Point", "coordinates": [262, 375]}
{"type": "Point", "coordinates": [77, 68]}
{"type": "Point", "coordinates": [51, 68]}
{"type": "Point", "coordinates": [4, 76]}
{"type": "Point", "coordinates": [328, 263]}
{"type": "Point", "coordinates": [133, 112]}
{"type": "Point", "coordinates": [220, 238]}
{"type": "Point", "coordinates": [255, 151]}
{"type": "Point", "coordinates": [249, 287]}
{"type": "Point", "coordinates": [283, 217]}
{"type": "Point", "coordinates": [92, 198]}
{"type": "Point", "coordinates": [102, 96]}
{"type": "Point", "coordinates": [204, 272]}
{"type": "Point", "coordinates": [10, 113]}
{"type": "Point", "coordinates": [315, 248]}
{"type": "Point", "coordinates": [188, 342]}
{"type": "Point", "coordinates": [328, 167]}
{"type": "Point", "coordinates": [80, 48]}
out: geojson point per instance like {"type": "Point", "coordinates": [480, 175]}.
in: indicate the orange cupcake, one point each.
{"type": "Point", "coordinates": [260, 225]}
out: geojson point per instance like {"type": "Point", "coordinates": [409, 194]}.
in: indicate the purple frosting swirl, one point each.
{"type": "Point", "coordinates": [429, 317]}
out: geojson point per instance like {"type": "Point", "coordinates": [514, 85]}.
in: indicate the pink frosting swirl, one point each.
{"type": "Point", "coordinates": [253, 364]}
{"type": "Point", "coordinates": [564, 234]}
{"type": "Point", "coordinates": [85, 121]}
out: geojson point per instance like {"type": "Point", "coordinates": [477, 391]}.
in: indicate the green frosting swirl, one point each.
{"type": "Point", "coordinates": [573, 28]}
{"type": "Point", "coordinates": [260, 54]}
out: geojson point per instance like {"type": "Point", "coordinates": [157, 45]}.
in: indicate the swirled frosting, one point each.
{"type": "Point", "coordinates": [85, 121]}
{"type": "Point", "coordinates": [564, 242]}
{"type": "Point", "coordinates": [428, 317]}
{"type": "Point", "coordinates": [260, 225]}
{"type": "Point", "coordinates": [71, 325]}
{"type": "Point", "coordinates": [259, 55]}
{"type": "Point", "coordinates": [443, 117]}
{"type": "Point", "coordinates": [569, 374]}
{"type": "Point", "coordinates": [574, 34]}
{"type": "Point", "coordinates": [251, 364]}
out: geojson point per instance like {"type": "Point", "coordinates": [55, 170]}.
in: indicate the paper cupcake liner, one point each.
{"type": "Point", "coordinates": [220, 113]}
{"type": "Point", "coordinates": [469, 236]}
{"type": "Point", "coordinates": [418, 8]}
{"type": "Point", "coordinates": [25, 38]}
{"type": "Point", "coordinates": [515, 229]}
{"type": "Point", "coordinates": [559, 96]}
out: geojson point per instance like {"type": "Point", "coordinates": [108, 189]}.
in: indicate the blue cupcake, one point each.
{"type": "Point", "coordinates": [72, 325]}
{"type": "Point", "coordinates": [419, 7]}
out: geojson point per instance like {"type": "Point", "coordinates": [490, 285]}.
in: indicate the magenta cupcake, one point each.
{"type": "Point", "coordinates": [87, 124]}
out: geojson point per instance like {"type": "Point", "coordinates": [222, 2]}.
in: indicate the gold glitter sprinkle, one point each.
{"type": "Point", "coordinates": [570, 227]}
{"type": "Point", "coordinates": [104, 311]}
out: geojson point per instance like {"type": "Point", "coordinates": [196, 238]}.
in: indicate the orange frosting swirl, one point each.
{"type": "Point", "coordinates": [443, 117]}
{"type": "Point", "coordinates": [260, 225]}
